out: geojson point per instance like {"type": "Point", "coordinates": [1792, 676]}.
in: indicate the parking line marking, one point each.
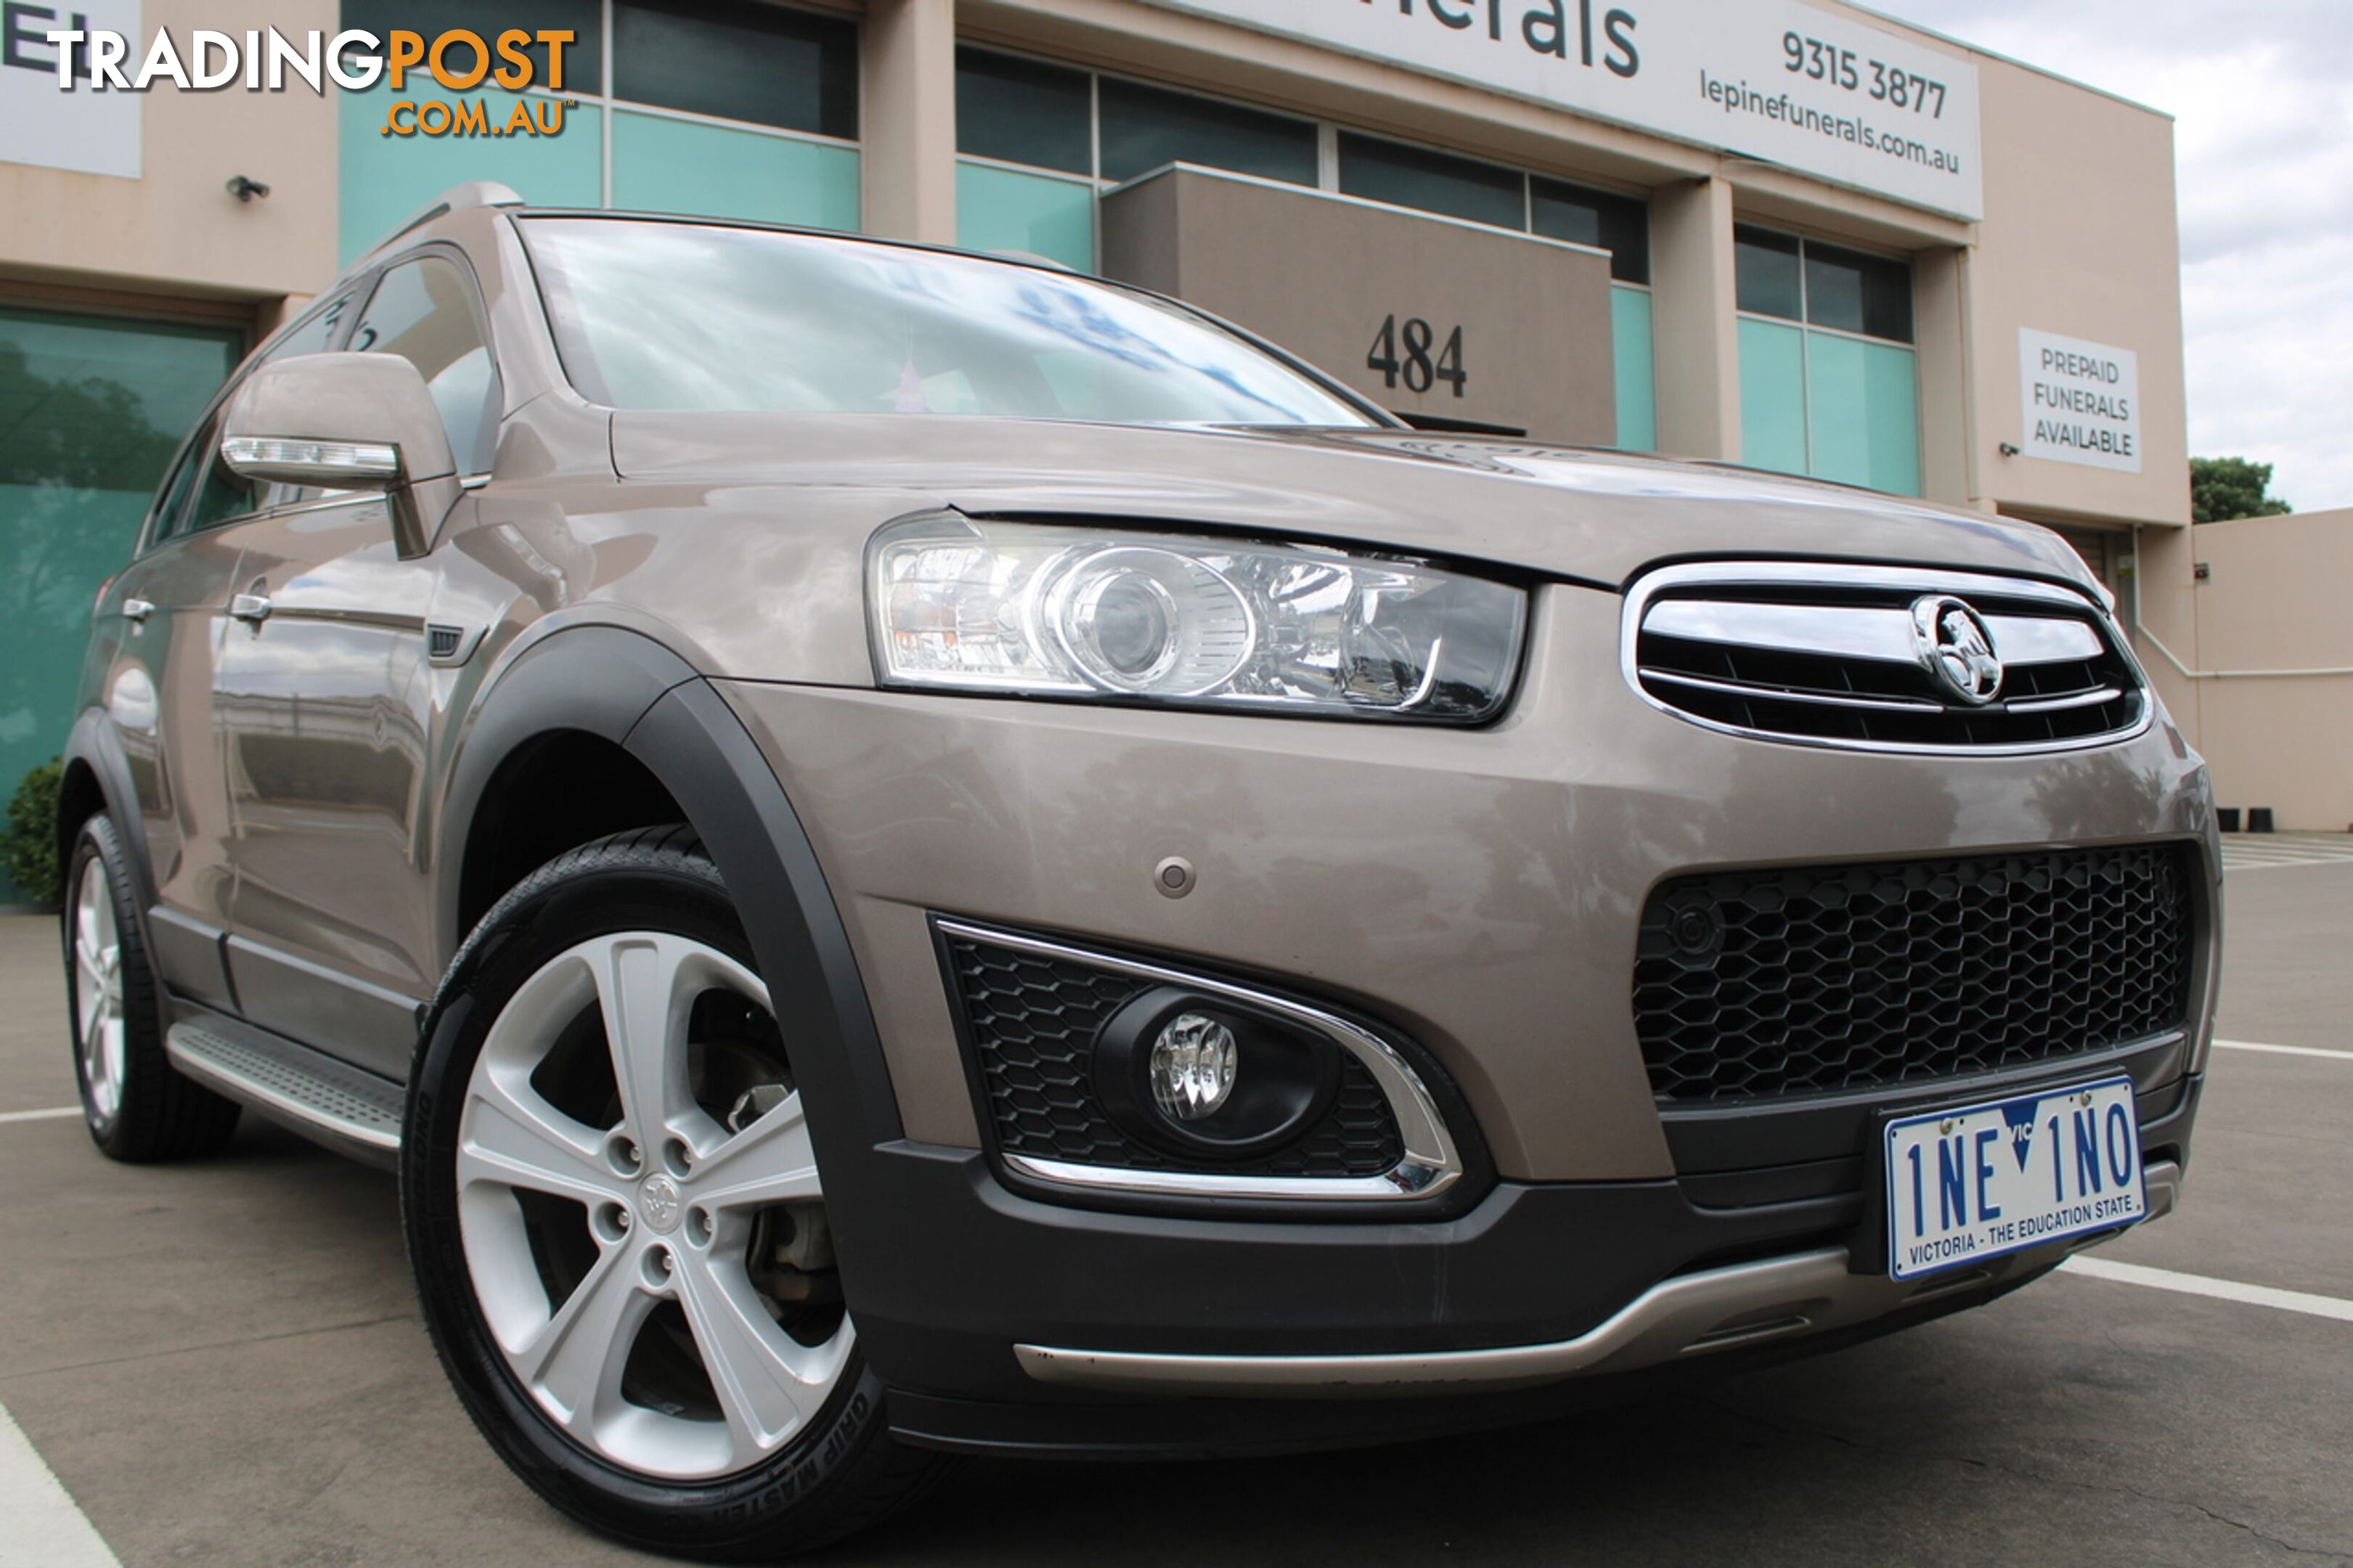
{"type": "Point", "coordinates": [2200, 1285]}
{"type": "Point", "coordinates": [2283, 1050]}
{"type": "Point", "coordinates": [47, 1529]}
{"type": "Point", "coordinates": [55, 1113]}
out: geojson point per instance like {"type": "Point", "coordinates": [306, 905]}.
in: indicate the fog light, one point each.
{"type": "Point", "coordinates": [1193, 1064]}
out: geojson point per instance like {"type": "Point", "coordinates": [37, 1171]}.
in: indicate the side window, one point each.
{"type": "Point", "coordinates": [424, 312]}
{"type": "Point", "coordinates": [171, 500]}
{"type": "Point", "coordinates": [314, 334]}
{"type": "Point", "coordinates": [222, 495]}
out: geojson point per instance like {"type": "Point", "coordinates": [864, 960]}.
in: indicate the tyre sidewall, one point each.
{"type": "Point", "coordinates": [143, 1031]}
{"type": "Point", "coordinates": [552, 913]}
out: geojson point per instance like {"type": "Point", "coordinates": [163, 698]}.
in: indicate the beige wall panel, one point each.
{"type": "Point", "coordinates": [2080, 238]}
{"type": "Point", "coordinates": [1320, 275]}
{"type": "Point", "coordinates": [178, 227]}
{"type": "Point", "coordinates": [2268, 604]}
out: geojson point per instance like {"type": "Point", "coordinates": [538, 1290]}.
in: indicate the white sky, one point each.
{"type": "Point", "coordinates": [2262, 94]}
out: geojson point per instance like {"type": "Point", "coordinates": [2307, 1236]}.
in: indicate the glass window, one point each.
{"type": "Point", "coordinates": [582, 57]}
{"type": "Point", "coordinates": [704, 318]}
{"type": "Point", "coordinates": [382, 181]}
{"type": "Point", "coordinates": [1432, 181]}
{"type": "Point", "coordinates": [1146, 128]}
{"type": "Point", "coordinates": [1857, 293]}
{"type": "Point", "coordinates": [1020, 112]}
{"type": "Point", "coordinates": [224, 494]}
{"type": "Point", "coordinates": [1040, 215]}
{"type": "Point", "coordinates": [1773, 396]}
{"type": "Point", "coordinates": [424, 312]}
{"type": "Point", "coordinates": [739, 60]}
{"type": "Point", "coordinates": [315, 334]}
{"type": "Point", "coordinates": [1768, 278]}
{"type": "Point", "coordinates": [1629, 345]}
{"type": "Point", "coordinates": [1618, 224]}
{"type": "Point", "coordinates": [660, 164]}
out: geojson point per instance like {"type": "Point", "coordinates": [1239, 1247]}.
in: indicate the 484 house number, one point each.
{"type": "Point", "coordinates": [1424, 362]}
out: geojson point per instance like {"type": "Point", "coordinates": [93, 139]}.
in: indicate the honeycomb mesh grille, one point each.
{"type": "Point", "coordinates": [1033, 1023]}
{"type": "Point", "coordinates": [1793, 982]}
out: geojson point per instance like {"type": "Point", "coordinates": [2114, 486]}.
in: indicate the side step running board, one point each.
{"type": "Point", "coordinates": [331, 1102]}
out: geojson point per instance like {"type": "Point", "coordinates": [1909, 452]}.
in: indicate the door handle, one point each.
{"type": "Point", "coordinates": [251, 608]}
{"type": "Point", "coordinates": [136, 611]}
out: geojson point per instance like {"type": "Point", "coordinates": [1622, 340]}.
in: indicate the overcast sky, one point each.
{"type": "Point", "coordinates": [2261, 93]}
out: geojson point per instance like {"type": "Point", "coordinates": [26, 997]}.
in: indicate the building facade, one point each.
{"type": "Point", "coordinates": [1789, 233]}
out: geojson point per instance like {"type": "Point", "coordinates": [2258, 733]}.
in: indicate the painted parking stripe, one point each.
{"type": "Point", "coordinates": [45, 1528]}
{"type": "Point", "coordinates": [2283, 1050]}
{"type": "Point", "coordinates": [2219, 1290]}
{"type": "Point", "coordinates": [55, 1113]}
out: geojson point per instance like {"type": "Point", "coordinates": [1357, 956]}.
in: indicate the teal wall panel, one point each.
{"type": "Point", "coordinates": [1772, 396]}
{"type": "Point", "coordinates": [667, 165]}
{"type": "Point", "coordinates": [94, 407]}
{"type": "Point", "coordinates": [1629, 338]}
{"type": "Point", "coordinates": [384, 179]}
{"type": "Point", "coordinates": [1863, 401]}
{"type": "Point", "coordinates": [1002, 209]}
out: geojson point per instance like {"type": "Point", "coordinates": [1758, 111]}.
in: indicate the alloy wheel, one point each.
{"type": "Point", "coordinates": [639, 1205]}
{"type": "Point", "coordinates": [98, 989]}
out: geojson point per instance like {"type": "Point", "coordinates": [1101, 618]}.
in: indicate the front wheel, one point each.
{"type": "Point", "coordinates": [617, 1225]}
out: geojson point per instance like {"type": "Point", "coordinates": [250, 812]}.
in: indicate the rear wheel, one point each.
{"type": "Point", "coordinates": [617, 1223]}
{"type": "Point", "coordinates": [138, 1106]}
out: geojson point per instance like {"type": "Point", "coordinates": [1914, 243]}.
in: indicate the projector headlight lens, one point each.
{"type": "Point", "coordinates": [1051, 610]}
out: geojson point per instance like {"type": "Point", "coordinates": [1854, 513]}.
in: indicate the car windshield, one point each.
{"type": "Point", "coordinates": [708, 318]}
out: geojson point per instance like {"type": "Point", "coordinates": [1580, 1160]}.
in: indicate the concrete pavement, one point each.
{"type": "Point", "coordinates": [222, 1363]}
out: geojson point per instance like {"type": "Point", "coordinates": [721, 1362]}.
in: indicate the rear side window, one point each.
{"type": "Point", "coordinates": [424, 312]}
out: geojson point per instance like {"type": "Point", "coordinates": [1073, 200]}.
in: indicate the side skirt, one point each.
{"type": "Point", "coordinates": [338, 1106]}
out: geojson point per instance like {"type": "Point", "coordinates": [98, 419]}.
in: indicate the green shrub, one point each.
{"type": "Point", "coordinates": [28, 843]}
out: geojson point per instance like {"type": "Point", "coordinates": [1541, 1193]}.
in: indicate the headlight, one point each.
{"type": "Point", "coordinates": [1045, 610]}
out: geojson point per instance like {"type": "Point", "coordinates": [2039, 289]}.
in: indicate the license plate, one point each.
{"type": "Point", "coordinates": [1968, 1184]}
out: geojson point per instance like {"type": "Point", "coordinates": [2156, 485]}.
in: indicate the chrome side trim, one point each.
{"type": "Point", "coordinates": [1692, 1315]}
{"type": "Point", "coordinates": [2074, 699]}
{"type": "Point", "coordinates": [1431, 1163]}
{"type": "Point", "coordinates": [1800, 574]}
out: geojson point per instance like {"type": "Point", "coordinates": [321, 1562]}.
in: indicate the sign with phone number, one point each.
{"type": "Point", "coordinates": [1824, 93]}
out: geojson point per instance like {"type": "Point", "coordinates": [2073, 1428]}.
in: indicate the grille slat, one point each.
{"type": "Point", "coordinates": [1033, 1023]}
{"type": "Point", "coordinates": [1814, 980]}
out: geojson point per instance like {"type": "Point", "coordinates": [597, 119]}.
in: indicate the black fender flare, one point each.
{"type": "Point", "coordinates": [94, 742]}
{"type": "Point", "coordinates": [628, 688]}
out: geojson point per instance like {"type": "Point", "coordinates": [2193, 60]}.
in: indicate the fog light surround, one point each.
{"type": "Point", "coordinates": [1197, 1075]}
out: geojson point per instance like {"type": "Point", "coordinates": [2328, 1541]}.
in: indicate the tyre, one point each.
{"type": "Point", "coordinates": [618, 1232]}
{"type": "Point", "coordinates": [139, 1105]}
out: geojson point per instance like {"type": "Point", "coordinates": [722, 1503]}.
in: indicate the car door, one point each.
{"type": "Point", "coordinates": [324, 697]}
{"type": "Point", "coordinates": [161, 625]}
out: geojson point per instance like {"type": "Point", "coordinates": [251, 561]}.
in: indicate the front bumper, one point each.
{"type": "Point", "coordinates": [1479, 892]}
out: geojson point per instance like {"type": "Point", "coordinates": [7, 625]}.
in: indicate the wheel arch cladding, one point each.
{"type": "Point", "coordinates": [624, 687]}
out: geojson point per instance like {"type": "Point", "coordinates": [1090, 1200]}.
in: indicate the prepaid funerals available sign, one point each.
{"type": "Point", "coordinates": [2079, 402]}
{"type": "Point", "coordinates": [1773, 79]}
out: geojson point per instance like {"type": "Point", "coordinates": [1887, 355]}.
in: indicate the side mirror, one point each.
{"type": "Point", "coordinates": [347, 421]}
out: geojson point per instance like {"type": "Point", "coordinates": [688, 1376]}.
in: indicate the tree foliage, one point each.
{"type": "Point", "coordinates": [2221, 489]}
{"type": "Point", "coordinates": [28, 839]}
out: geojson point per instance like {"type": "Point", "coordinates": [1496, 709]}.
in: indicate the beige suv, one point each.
{"type": "Point", "coordinates": [913, 853]}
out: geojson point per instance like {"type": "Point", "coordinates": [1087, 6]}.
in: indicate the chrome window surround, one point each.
{"type": "Point", "coordinates": [1800, 574]}
{"type": "Point", "coordinates": [1431, 1163]}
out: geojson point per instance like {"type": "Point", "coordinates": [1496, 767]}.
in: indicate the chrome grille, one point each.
{"type": "Point", "coordinates": [1831, 656]}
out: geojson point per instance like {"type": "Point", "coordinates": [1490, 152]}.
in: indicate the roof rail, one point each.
{"type": "Point", "coordinates": [457, 199]}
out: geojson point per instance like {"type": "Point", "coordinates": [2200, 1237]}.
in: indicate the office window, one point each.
{"type": "Point", "coordinates": [1432, 181]}
{"type": "Point", "coordinates": [582, 57]}
{"type": "Point", "coordinates": [1023, 112]}
{"type": "Point", "coordinates": [738, 60]}
{"type": "Point", "coordinates": [1618, 224]}
{"type": "Point", "coordinates": [1144, 128]}
{"type": "Point", "coordinates": [1828, 381]}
